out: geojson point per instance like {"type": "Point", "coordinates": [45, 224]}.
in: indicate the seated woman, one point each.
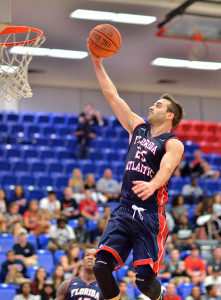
{"type": "Point", "coordinates": [34, 221]}
{"type": "Point", "coordinates": [71, 262]}
{"type": "Point", "coordinates": [178, 208]}
{"type": "Point", "coordinates": [37, 283]}
{"type": "Point", "coordinates": [58, 276]}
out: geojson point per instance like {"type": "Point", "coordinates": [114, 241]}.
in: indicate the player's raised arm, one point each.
{"type": "Point", "coordinates": [127, 118]}
{"type": "Point", "coordinates": [169, 162]}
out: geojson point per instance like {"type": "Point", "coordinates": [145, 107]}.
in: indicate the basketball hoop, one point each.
{"type": "Point", "coordinates": [13, 69]}
{"type": "Point", "coordinates": [198, 49]}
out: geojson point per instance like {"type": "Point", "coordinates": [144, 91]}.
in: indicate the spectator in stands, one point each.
{"type": "Point", "coordinates": [109, 186]}
{"type": "Point", "coordinates": [214, 260]}
{"type": "Point", "coordinates": [58, 276]}
{"type": "Point", "coordinates": [216, 205]}
{"type": "Point", "coordinates": [37, 283]}
{"type": "Point", "coordinates": [48, 292]}
{"type": "Point", "coordinates": [69, 206]}
{"type": "Point", "coordinates": [34, 221]}
{"type": "Point", "coordinates": [165, 272]}
{"type": "Point", "coordinates": [82, 233]}
{"type": "Point", "coordinates": [170, 220]}
{"type": "Point", "coordinates": [24, 250]}
{"type": "Point", "coordinates": [88, 207]}
{"type": "Point", "coordinates": [94, 116]}
{"type": "Point", "coordinates": [76, 182]}
{"type": "Point", "coordinates": [25, 293]}
{"type": "Point", "coordinates": [192, 191]}
{"type": "Point", "coordinates": [13, 270]}
{"type": "Point", "coordinates": [71, 262]}
{"type": "Point", "coordinates": [201, 168]}
{"type": "Point", "coordinates": [85, 129]}
{"type": "Point", "coordinates": [183, 235]}
{"type": "Point", "coordinates": [211, 293]}
{"type": "Point", "coordinates": [195, 266]}
{"type": "Point", "coordinates": [3, 202]}
{"type": "Point", "coordinates": [50, 206]}
{"type": "Point", "coordinates": [13, 219]}
{"type": "Point", "coordinates": [96, 233]}
{"type": "Point", "coordinates": [106, 213]}
{"type": "Point", "coordinates": [195, 294]}
{"type": "Point", "coordinates": [177, 268]}
{"type": "Point", "coordinates": [178, 207]}
{"type": "Point", "coordinates": [20, 199]}
{"type": "Point", "coordinates": [183, 168]}
{"type": "Point", "coordinates": [214, 279]}
{"type": "Point", "coordinates": [171, 292]}
{"type": "Point", "coordinates": [61, 235]}
{"type": "Point", "coordinates": [90, 182]}
{"type": "Point", "coordinates": [124, 295]}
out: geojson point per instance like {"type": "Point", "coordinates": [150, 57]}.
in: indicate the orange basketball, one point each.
{"type": "Point", "coordinates": [104, 40]}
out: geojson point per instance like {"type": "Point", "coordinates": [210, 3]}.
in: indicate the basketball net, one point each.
{"type": "Point", "coordinates": [198, 49]}
{"type": "Point", "coordinates": [13, 67]}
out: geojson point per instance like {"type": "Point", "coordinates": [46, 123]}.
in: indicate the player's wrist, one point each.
{"type": "Point", "coordinates": [155, 185]}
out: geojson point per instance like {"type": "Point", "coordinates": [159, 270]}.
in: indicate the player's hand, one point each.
{"type": "Point", "coordinates": [94, 57]}
{"type": "Point", "coordinates": [144, 189]}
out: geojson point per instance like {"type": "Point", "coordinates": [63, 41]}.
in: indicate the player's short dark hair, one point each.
{"type": "Point", "coordinates": [174, 107]}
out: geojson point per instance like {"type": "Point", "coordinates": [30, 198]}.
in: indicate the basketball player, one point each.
{"type": "Point", "coordinates": [139, 223]}
{"type": "Point", "coordinates": [82, 288]}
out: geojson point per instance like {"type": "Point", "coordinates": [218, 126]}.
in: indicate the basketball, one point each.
{"type": "Point", "coordinates": [104, 40]}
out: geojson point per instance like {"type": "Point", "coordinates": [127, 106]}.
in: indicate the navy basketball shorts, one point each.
{"type": "Point", "coordinates": [144, 231]}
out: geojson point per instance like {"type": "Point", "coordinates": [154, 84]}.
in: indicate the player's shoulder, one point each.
{"type": "Point", "coordinates": [174, 142]}
{"type": "Point", "coordinates": [141, 126]}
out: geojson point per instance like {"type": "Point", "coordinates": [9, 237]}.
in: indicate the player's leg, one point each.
{"type": "Point", "coordinates": [147, 282]}
{"type": "Point", "coordinates": [103, 269]}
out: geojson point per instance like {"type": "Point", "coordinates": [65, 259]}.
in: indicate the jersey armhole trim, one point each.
{"type": "Point", "coordinates": [137, 126]}
{"type": "Point", "coordinates": [68, 286]}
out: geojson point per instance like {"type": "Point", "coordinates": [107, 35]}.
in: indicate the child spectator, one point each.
{"type": "Point", "coordinates": [20, 199]}
{"type": "Point", "coordinates": [58, 276]}
{"type": "Point", "coordinates": [71, 261]}
{"type": "Point", "coordinates": [34, 221]}
{"type": "Point", "coordinates": [178, 207]}
{"type": "Point", "coordinates": [37, 283]}
{"type": "Point", "coordinates": [195, 294]}
{"type": "Point", "coordinates": [13, 219]}
{"type": "Point", "coordinates": [170, 294]}
{"type": "Point", "coordinates": [25, 293]}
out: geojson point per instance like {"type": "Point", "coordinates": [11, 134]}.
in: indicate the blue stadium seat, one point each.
{"type": "Point", "coordinates": [37, 167]}
{"type": "Point", "coordinates": [57, 256]}
{"type": "Point", "coordinates": [7, 291]}
{"type": "Point", "coordinates": [61, 182]}
{"type": "Point", "coordinates": [64, 131]}
{"type": "Point", "coordinates": [20, 165]}
{"type": "Point", "coordinates": [15, 129]}
{"type": "Point", "coordinates": [91, 225]}
{"type": "Point", "coordinates": [42, 118]}
{"type": "Point", "coordinates": [73, 223]}
{"type": "Point", "coordinates": [57, 142]}
{"type": "Point", "coordinates": [6, 241]}
{"type": "Point", "coordinates": [46, 153]}
{"type": "Point", "coordinates": [11, 117]}
{"type": "Point", "coordinates": [43, 240]}
{"type": "Point", "coordinates": [47, 131]}
{"type": "Point", "coordinates": [12, 153]}
{"type": "Point", "coordinates": [44, 181]}
{"type": "Point", "coordinates": [45, 259]}
{"type": "Point", "coordinates": [31, 271]}
{"type": "Point", "coordinates": [72, 120]}
{"type": "Point", "coordinates": [27, 117]}
{"type": "Point", "coordinates": [55, 168]}
{"type": "Point", "coordinates": [108, 132]}
{"type": "Point", "coordinates": [26, 180]}
{"type": "Point", "coordinates": [33, 240]}
{"type": "Point", "coordinates": [63, 154]}
{"type": "Point", "coordinates": [29, 153]}
{"type": "Point", "coordinates": [95, 154]}
{"type": "Point", "coordinates": [8, 180]}
{"type": "Point", "coordinates": [4, 165]}
{"type": "Point", "coordinates": [41, 141]}
{"type": "Point", "coordinates": [32, 130]}
{"type": "Point", "coordinates": [70, 166]}
{"type": "Point", "coordinates": [2, 258]}
{"type": "Point", "coordinates": [185, 289]}
{"type": "Point", "coordinates": [122, 272]}
{"type": "Point", "coordinates": [34, 194]}
{"type": "Point", "coordinates": [57, 119]}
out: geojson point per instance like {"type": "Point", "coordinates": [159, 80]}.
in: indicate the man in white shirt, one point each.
{"type": "Point", "coordinates": [109, 186]}
{"type": "Point", "coordinates": [50, 206]}
{"type": "Point", "coordinates": [61, 235]}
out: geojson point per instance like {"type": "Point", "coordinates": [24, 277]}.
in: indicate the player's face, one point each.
{"type": "Point", "coordinates": [158, 112]}
{"type": "Point", "coordinates": [89, 259]}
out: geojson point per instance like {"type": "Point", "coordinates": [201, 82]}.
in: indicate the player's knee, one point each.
{"type": "Point", "coordinates": [149, 285]}
{"type": "Point", "coordinates": [103, 269]}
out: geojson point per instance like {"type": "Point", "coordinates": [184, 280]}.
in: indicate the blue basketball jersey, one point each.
{"type": "Point", "coordinates": [79, 290]}
{"type": "Point", "coordinates": [143, 162]}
